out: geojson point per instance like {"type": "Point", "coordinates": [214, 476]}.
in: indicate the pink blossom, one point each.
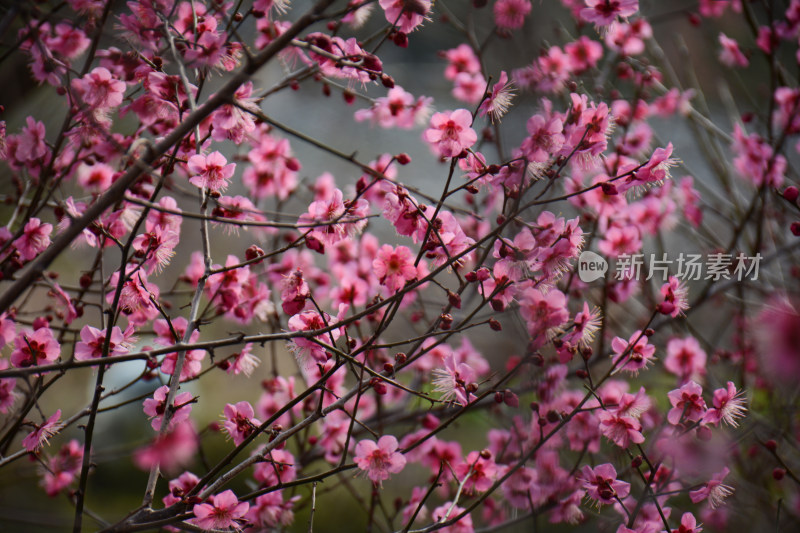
{"type": "Point", "coordinates": [407, 15]}
{"type": "Point", "coordinates": [543, 313]}
{"type": "Point", "coordinates": [155, 407]}
{"type": "Point", "coordinates": [450, 132]}
{"type": "Point", "coordinates": [35, 347]}
{"type": "Point", "coordinates": [305, 348]}
{"type": "Point", "coordinates": [97, 177]}
{"type": "Point", "coordinates": [715, 491]}
{"type": "Point", "coordinates": [62, 468]}
{"type": "Point", "coordinates": [40, 435]}
{"type": "Point", "coordinates": [7, 393]}
{"type": "Point", "coordinates": [93, 339]}
{"type": "Point", "coordinates": [676, 297]}
{"type": "Point", "coordinates": [34, 239]}
{"type": "Point", "coordinates": [454, 381]}
{"type": "Point", "coordinates": [583, 53]}
{"type": "Point", "coordinates": [271, 511]}
{"type": "Point", "coordinates": [601, 484]}
{"type": "Point", "coordinates": [460, 59]}
{"type": "Point", "coordinates": [621, 430]}
{"type": "Point", "coordinates": [546, 138]}
{"type": "Point", "coordinates": [481, 471]}
{"type": "Point", "coordinates": [68, 41]}
{"type": "Point", "coordinates": [729, 406]}
{"type": "Point", "coordinates": [210, 171]}
{"type": "Point", "coordinates": [687, 404]}
{"type": "Point", "coordinates": [239, 421]}
{"type": "Point", "coordinates": [394, 267]}
{"type": "Point", "coordinates": [499, 100]}
{"type": "Point", "coordinates": [510, 14]}
{"type": "Point", "coordinates": [398, 109]}
{"type": "Point", "coordinates": [604, 12]}
{"type": "Point", "coordinates": [449, 511]}
{"type": "Point", "coordinates": [469, 88]}
{"type": "Point", "coordinates": [222, 512]}
{"type": "Point", "coordinates": [730, 54]}
{"type": "Point", "coordinates": [587, 322]}
{"type": "Point", "coordinates": [179, 487]}
{"type": "Point", "coordinates": [621, 240]}
{"type": "Point", "coordinates": [688, 524]}
{"type": "Point", "coordinates": [637, 352]}
{"type": "Point", "coordinates": [31, 145]}
{"type": "Point", "coordinates": [278, 467]}
{"type": "Point", "coordinates": [686, 359]}
{"type": "Point", "coordinates": [171, 450]}
{"type": "Point", "coordinates": [157, 247]}
{"type": "Point", "coordinates": [755, 160]}
{"type": "Point", "coordinates": [99, 90]}
{"type": "Point", "coordinates": [379, 460]}
{"type": "Point", "coordinates": [244, 362]}
{"type": "Point", "coordinates": [134, 299]}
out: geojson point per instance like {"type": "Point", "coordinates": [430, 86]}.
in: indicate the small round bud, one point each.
{"type": "Point", "coordinates": [387, 81]}
{"type": "Point", "coordinates": [403, 158]}
{"type": "Point", "coordinates": [795, 229]}
{"type": "Point", "coordinates": [388, 367]}
{"type": "Point", "coordinates": [486, 454]}
{"type": "Point", "coordinates": [400, 358]}
{"type": "Point", "coordinates": [771, 445]}
{"type": "Point", "coordinates": [446, 321]}
{"type": "Point", "coordinates": [791, 193]}
{"type": "Point", "coordinates": [778, 474]}
{"type": "Point", "coordinates": [510, 399]}
{"type": "Point", "coordinates": [454, 299]}
{"type": "Point", "coordinates": [636, 462]}
{"type": "Point", "coordinates": [498, 397]}
{"type": "Point", "coordinates": [430, 422]}
{"type": "Point", "coordinates": [253, 252]}
{"type": "Point", "coordinates": [400, 39]}
{"type": "Point", "coordinates": [649, 332]}
{"type": "Point", "coordinates": [495, 325]}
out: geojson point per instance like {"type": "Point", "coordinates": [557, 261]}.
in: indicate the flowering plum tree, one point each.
{"type": "Point", "coordinates": [534, 312]}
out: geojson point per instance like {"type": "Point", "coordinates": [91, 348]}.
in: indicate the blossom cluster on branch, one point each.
{"type": "Point", "coordinates": [447, 352]}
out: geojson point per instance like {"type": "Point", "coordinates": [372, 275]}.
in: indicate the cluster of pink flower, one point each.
{"type": "Point", "coordinates": [591, 400]}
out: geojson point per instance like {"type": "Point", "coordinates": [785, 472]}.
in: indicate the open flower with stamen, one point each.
{"type": "Point", "coordinates": [453, 380]}
{"type": "Point", "coordinates": [39, 436]}
{"type": "Point", "coordinates": [222, 512]}
{"type": "Point", "coordinates": [676, 297]}
{"type": "Point", "coordinates": [715, 491]}
{"type": "Point", "coordinates": [499, 101]}
{"type": "Point", "coordinates": [587, 322]}
{"type": "Point", "coordinates": [601, 484]}
{"type": "Point", "coordinates": [379, 460]}
{"type": "Point", "coordinates": [729, 406]}
{"type": "Point", "coordinates": [239, 421]}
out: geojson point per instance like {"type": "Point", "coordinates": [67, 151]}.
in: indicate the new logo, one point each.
{"type": "Point", "coordinates": [591, 267]}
